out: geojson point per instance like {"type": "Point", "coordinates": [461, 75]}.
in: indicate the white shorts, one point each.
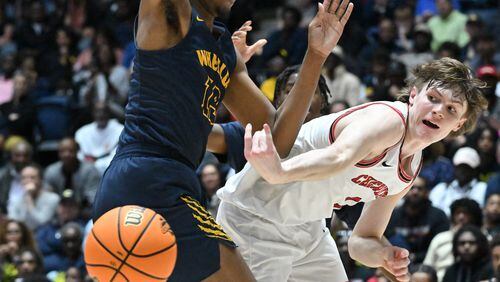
{"type": "Point", "coordinates": [278, 253]}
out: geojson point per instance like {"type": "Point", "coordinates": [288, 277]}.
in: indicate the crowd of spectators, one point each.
{"type": "Point", "coordinates": [64, 71]}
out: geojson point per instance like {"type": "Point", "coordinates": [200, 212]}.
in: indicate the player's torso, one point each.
{"type": "Point", "coordinates": [299, 202]}
{"type": "Point", "coordinates": [175, 92]}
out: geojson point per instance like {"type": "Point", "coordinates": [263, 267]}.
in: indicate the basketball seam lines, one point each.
{"type": "Point", "coordinates": [155, 253]}
{"type": "Point", "coordinates": [120, 260]}
{"type": "Point", "coordinates": [106, 266]}
{"type": "Point", "coordinates": [135, 243]}
{"type": "Point", "coordinates": [119, 231]}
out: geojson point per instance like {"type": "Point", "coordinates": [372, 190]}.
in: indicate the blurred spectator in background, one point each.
{"type": "Point", "coordinates": [474, 28]}
{"type": "Point", "coordinates": [440, 255]}
{"type": "Point", "coordinates": [449, 49]}
{"type": "Point", "coordinates": [424, 273]}
{"type": "Point", "coordinates": [35, 34]}
{"type": "Point", "coordinates": [17, 116]}
{"type": "Point", "coordinates": [404, 21]}
{"type": "Point", "coordinates": [71, 254]}
{"type": "Point", "coordinates": [7, 69]}
{"type": "Point", "coordinates": [14, 235]}
{"type": "Point", "coordinates": [436, 168]}
{"type": "Point", "coordinates": [491, 225]}
{"type": "Point", "coordinates": [465, 184]}
{"type": "Point", "coordinates": [416, 222]}
{"type": "Point", "coordinates": [448, 25]}
{"type": "Point", "coordinates": [29, 264]}
{"type": "Point", "coordinates": [70, 174]}
{"type": "Point", "coordinates": [420, 51]}
{"type": "Point", "coordinates": [36, 206]}
{"type": "Point", "coordinates": [381, 38]}
{"type": "Point", "coordinates": [487, 52]}
{"type": "Point", "coordinates": [489, 75]}
{"type": "Point", "coordinates": [58, 62]}
{"type": "Point", "coordinates": [289, 41]}
{"type": "Point", "coordinates": [472, 256]}
{"type": "Point", "coordinates": [425, 9]}
{"type": "Point", "coordinates": [98, 140]}
{"type": "Point", "coordinates": [210, 178]}
{"type": "Point", "coordinates": [396, 75]}
{"type": "Point", "coordinates": [484, 140]}
{"type": "Point", "coordinates": [376, 80]}
{"type": "Point", "coordinates": [495, 256]}
{"type": "Point", "coordinates": [8, 46]}
{"type": "Point", "coordinates": [48, 236]}
{"type": "Point", "coordinates": [11, 189]}
{"type": "Point", "coordinates": [342, 84]}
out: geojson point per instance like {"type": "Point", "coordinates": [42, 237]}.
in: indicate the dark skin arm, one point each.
{"type": "Point", "coordinates": [243, 98]}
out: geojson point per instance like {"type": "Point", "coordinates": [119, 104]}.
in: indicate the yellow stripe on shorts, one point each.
{"type": "Point", "coordinates": [206, 222]}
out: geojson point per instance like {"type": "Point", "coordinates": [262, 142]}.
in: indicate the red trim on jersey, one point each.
{"type": "Point", "coordinates": [337, 206]}
{"type": "Point", "coordinates": [373, 161]}
{"type": "Point", "coordinates": [354, 199]}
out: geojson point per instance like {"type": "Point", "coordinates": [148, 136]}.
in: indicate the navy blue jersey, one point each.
{"type": "Point", "coordinates": [175, 93]}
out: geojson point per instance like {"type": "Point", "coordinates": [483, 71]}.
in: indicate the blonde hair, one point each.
{"type": "Point", "coordinates": [453, 75]}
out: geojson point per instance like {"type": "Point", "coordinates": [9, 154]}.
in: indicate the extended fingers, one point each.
{"type": "Point", "coordinates": [345, 17]}
{"type": "Point", "coordinates": [341, 9]}
{"type": "Point", "coordinates": [248, 138]}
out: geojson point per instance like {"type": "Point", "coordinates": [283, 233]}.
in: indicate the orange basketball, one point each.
{"type": "Point", "coordinates": [130, 243]}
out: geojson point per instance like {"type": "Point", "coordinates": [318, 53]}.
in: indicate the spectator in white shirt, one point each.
{"type": "Point", "coordinates": [465, 185]}
{"type": "Point", "coordinates": [98, 140]}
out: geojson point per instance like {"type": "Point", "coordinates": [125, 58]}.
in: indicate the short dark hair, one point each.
{"type": "Point", "coordinates": [469, 206]}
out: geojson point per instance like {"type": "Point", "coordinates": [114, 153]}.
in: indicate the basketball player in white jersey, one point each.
{"type": "Point", "coordinates": [371, 153]}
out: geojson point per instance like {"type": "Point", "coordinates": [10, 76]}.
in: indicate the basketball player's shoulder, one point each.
{"type": "Point", "coordinates": [162, 23]}
{"type": "Point", "coordinates": [391, 114]}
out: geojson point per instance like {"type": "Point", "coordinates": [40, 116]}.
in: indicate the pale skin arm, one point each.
{"type": "Point", "coordinates": [367, 244]}
{"type": "Point", "coordinates": [352, 145]}
{"type": "Point", "coordinates": [245, 100]}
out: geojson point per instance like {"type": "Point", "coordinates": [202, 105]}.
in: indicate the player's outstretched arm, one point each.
{"type": "Point", "coordinates": [373, 130]}
{"type": "Point", "coordinates": [367, 244]}
{"type": "Point", "coordinates": [245, 101]}
{"type": "Point", "coordinates": [154, 31]}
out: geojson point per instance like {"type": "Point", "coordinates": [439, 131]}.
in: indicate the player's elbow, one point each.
{"type": "Point", "coordinates": [353, 245]}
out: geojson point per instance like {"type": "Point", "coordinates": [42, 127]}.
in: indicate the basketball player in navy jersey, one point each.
{"type": "Point", "coordinates": [184, 67]}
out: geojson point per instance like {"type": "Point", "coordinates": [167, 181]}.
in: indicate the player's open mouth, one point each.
{"type": "Point", "coordinates": [430, 124]}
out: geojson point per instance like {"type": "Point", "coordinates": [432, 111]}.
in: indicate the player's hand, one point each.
{"type": "Point", "coordinates": [239, 38]}
{"type": "Point", "coordinates": [327, 26]}
{"type": "Point", "coordinates": [396, 261]}
{"type": "Point", "coordinates": [261, 153]}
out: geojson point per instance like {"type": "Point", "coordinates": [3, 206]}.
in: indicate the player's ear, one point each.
{"type": "Point", "coordinates": [413, 93]}
{"type": "Point", "coordinates": [460, 124]}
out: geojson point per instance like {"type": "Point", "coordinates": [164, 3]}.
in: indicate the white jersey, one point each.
{"type": "Point", "coordinates": [305, 201]}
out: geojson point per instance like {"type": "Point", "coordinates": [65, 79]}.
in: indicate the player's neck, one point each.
{"type": "Point", "coordinates": [205, 12]}
{"type": "Point", "coordinates": [411, 145]}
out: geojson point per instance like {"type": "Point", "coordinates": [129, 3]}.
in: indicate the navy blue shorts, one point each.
{"type": "Point", "coordinates": [169, 188]}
